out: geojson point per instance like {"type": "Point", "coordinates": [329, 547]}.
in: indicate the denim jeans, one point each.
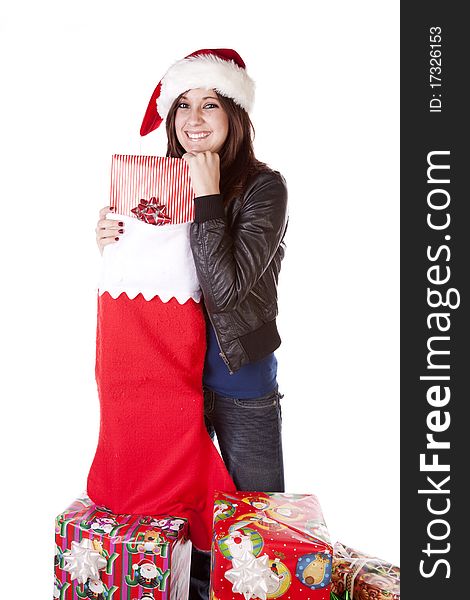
{"type": "Point", "coordinates": [249, 436]}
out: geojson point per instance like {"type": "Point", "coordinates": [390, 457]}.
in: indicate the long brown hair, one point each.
{"type": "Point", "coordinates": [237, 157]}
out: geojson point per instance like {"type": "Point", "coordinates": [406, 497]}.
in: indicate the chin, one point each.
{"type": "Point", "coordinates": [200, 149]}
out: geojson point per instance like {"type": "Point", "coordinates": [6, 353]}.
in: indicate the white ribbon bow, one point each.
{"type": "Point", "coordinates": [250, 575]}
{"type": "Point", "coordinates": [83, 562]}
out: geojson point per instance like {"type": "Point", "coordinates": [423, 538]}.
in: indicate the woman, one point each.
{"type": "Point", "coordinates": [236, 240]}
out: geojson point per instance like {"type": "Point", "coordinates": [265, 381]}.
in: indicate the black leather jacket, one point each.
{"type": "Point", "coordinates": [237, 252]}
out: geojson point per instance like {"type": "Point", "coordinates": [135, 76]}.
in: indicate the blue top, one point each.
{"type": "Point", "coordinates": [250, 381]}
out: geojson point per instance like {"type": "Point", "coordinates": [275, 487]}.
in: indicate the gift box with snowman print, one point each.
{"type": "Point", "coordinates": [104, 556]}
{"type": "Point", "coordinates": [269, 545]}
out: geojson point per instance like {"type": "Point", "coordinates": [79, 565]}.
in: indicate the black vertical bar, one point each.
{"type": "Point", "coordinates": [434, 271]}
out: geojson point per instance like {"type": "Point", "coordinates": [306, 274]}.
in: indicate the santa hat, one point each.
{"type": "Point", "coordinates": [221, 69]}
{"type": "Point", "coordinates": [144, 562]}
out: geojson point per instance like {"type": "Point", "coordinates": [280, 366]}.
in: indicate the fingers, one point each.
{"type": "Point", "coordinates": [107, 236]}
{"type": "Point", "coordinates": [108, 231]}
{"type": "Point", "coordinates": [105, 210]}
{"type": "Point", "coordinates": [188, 157]}
{"type": "Point", "coordinates": [105, 241]}
{"type": "Point", "coordinates": [108, 240]}
{"type": "Point", "coordinates": [109, 224]}
{"type": "Point", "coordinates": [207, 155]}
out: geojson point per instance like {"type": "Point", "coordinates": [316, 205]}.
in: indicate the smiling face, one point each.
{"type": "Point", "coordinates": [201, 123]}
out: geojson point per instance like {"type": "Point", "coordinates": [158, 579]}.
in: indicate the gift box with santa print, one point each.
{"type": "Point", "coordinates": [102, 555]}
{"type": "Point", "coordinates": [359, 576]}
{"type": "Point", "coordinates": [269, 545]}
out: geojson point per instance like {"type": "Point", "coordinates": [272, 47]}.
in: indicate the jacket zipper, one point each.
{"type": "Point", "coordinates": [221, 353]}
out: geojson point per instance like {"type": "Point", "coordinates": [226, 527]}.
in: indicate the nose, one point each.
{"type": "Point", "coordinates": [195, 116]}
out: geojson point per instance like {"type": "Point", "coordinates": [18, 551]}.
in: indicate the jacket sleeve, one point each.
{"type": "Point", "coordinates": [229, 263]}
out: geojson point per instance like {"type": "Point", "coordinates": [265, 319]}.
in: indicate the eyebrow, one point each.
{"type": "Point", "coordinates": [204, 98]}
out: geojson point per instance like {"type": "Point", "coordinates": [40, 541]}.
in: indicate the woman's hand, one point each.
{"type": "Point", "coordinates": [107, 230]}
{"type": "Point", "coordinates": [204, 168]}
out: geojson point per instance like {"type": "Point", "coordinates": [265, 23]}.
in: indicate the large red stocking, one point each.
{"type": "Point", "coordinates": [154, 455]}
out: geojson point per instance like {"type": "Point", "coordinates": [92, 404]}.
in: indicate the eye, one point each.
{"type": "Point", "coordinates": [183, 105]}
{"type": "Point", "coordinates": [211, 105]}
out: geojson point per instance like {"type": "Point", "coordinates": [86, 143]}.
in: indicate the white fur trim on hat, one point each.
{"type": "Point", "coordinates": [206, 71]}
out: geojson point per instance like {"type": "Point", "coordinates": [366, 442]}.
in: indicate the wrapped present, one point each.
{"type": "Point", "coordinates": [359, 576]}
{"type": "Point", "coordinates": [269, 545]}
{"type": "Point", "coordinates": [155, 189]}
{"type": "Point", "coordinates": [101, 555]}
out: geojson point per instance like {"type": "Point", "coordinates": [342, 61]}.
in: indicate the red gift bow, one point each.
{"type": "Point", "coordinates": [151, 211]}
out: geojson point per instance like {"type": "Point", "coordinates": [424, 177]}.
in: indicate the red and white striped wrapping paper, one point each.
{"type": "Point", "coordinates": [141, 177]}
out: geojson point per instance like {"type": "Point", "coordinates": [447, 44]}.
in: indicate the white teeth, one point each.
{"type": "Point", "coordinates": [196, 136]}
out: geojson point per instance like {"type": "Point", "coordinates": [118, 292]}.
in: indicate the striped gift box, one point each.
{"type": "Point", "coordinates": [137, 178]}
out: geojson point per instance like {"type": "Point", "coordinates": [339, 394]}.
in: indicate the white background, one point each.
{"type": "Point", "coordinates": [76, 80]}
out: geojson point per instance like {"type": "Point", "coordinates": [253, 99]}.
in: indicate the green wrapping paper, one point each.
{"type": "Point", "coordinates": [345, 596]}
